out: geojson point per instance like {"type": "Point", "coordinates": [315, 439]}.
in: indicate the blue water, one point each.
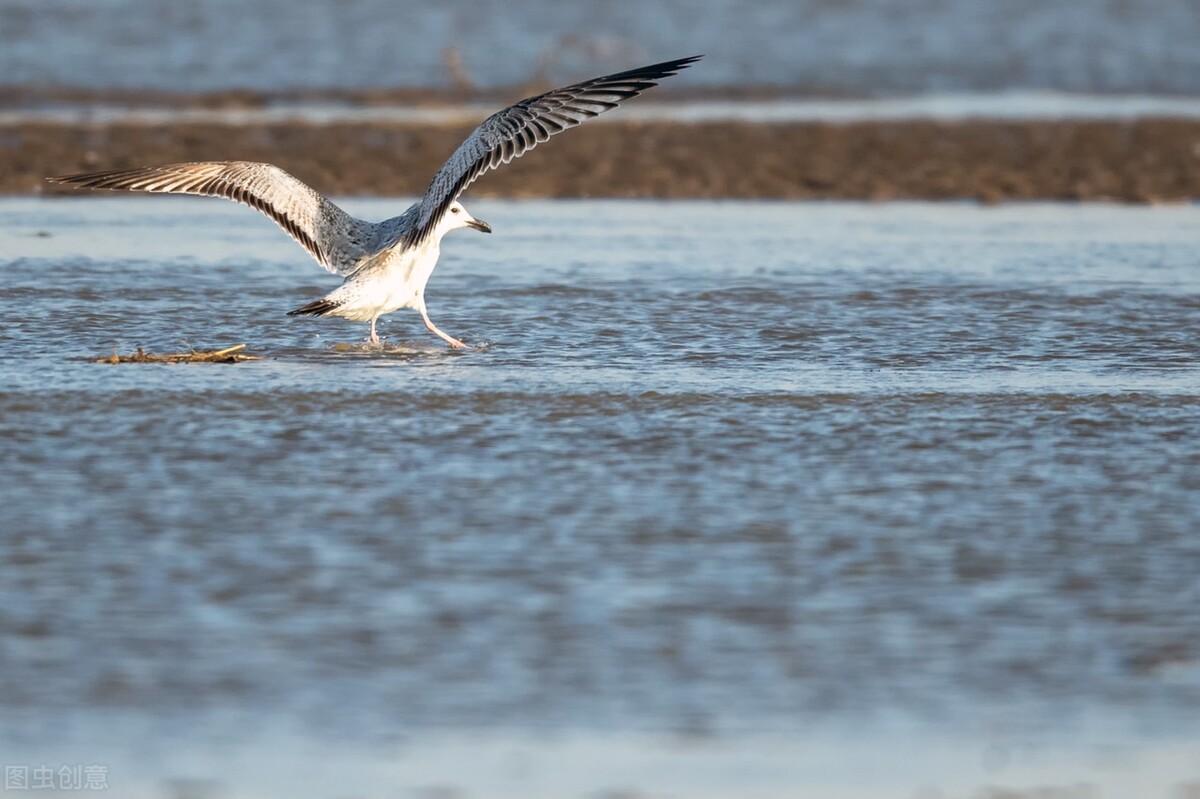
{"type": "Point", "coordinates": [727, 499]}
{"type": "Point", "coordinates": [867, 47]}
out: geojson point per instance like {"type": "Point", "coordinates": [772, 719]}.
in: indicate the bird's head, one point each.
{"type": "Point", "coordinates": [457, 217]}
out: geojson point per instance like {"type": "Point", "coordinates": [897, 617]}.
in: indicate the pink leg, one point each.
{"type": "Point", "coordinates": [453, 342]}
{"type": "Point", "coordinates": [374, 338]}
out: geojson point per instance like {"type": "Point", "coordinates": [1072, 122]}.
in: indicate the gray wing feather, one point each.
{"type": "Point", "coordinates": [511, 133]}
{"type": "Point", "coordinates": [335, 239]}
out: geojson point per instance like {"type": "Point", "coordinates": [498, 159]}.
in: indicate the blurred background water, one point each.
{"type": "Point", "coordinates": [867, 47]}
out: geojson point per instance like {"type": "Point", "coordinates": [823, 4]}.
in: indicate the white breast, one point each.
{"type": "Point", "coordinates": [393, 283]}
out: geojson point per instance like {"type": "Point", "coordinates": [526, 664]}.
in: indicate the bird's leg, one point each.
{"type": "Point", "coordinates": [374, 338]}
{"type": "Point", "coordinates": [453, 342]}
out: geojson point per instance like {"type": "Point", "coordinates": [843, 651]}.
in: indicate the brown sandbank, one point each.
{"type": "Point", "coordinates": [1144, 160]}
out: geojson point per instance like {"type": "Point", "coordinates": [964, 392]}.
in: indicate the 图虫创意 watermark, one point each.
{"type": "Point", "coordinates": [68, 777]}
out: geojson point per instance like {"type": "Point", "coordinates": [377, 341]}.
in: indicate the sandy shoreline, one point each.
{"type": "Point", "coordinates": [1139, 160]}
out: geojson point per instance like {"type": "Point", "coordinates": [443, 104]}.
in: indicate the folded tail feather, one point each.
{"type": "Point", "coordinates": [321, 307]}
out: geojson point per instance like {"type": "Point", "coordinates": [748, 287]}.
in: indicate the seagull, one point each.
{"type": "Point", "coordinates": [386, 265]}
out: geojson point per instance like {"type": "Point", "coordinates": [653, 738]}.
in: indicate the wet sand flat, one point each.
{"type": "Point", "coordinates": [1134, 160]}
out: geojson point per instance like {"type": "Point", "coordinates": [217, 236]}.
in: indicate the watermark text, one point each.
{"type": "Point", "coordinates": [67, 777]}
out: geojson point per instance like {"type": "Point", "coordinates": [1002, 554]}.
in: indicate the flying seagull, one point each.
{"type": "Point", "coordinates": [387, 264]}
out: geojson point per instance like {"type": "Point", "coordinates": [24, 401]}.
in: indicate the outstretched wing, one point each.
{"type": "Point", "coordinates": [335, 239]}
{"type": "Point", "coordinates": [510, 133]}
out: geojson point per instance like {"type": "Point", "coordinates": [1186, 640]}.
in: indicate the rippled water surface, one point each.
{"type": "Point", "coordinates": [729, 499]}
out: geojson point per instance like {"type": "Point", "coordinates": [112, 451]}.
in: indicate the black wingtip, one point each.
{"type": "Point", "coordinates": [682, 63]}
{"type": "Point", "coordinates": [663, 69]}
{"type": "Point", "coordinates": [85, 180]}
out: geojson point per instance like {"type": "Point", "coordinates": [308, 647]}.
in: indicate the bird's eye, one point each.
{"type": "Point", "coordinates": [454, 210]}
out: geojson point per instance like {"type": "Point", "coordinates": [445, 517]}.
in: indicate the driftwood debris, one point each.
{"type": "Point", "coordinates": [232, 354]}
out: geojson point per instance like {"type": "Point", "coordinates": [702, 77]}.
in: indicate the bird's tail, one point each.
{"type": "Point", "coordinates": [321, 307]}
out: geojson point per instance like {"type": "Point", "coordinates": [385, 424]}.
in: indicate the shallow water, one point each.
{"type": "Point", "coordinates": [766, 499]}
{"type": "Point", "coordinates": [949, 107]}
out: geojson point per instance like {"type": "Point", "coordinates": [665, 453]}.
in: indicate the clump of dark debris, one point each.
{"type": "Point", "coordinates": [232, 354]}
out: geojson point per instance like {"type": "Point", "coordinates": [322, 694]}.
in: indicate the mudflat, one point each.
{"type": "Point", "coordinates": [1132, 160]}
